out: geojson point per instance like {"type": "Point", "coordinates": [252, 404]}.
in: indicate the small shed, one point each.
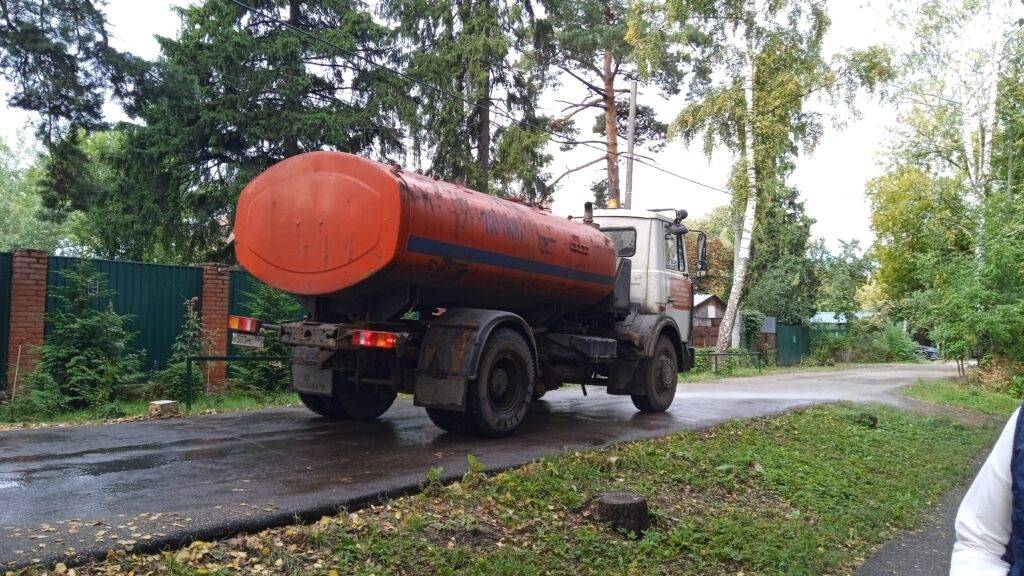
{"type": "Point", "coordinates": [708, 311]}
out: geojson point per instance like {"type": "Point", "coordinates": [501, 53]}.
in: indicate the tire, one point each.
{"type": "Point", "coordinates": [660, 380]}
{"type": "Point", "coordinates": [450, 421]}
{"type": "Point", "coordinates": [351, 402]}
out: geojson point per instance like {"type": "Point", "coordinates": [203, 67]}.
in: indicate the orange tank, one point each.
{"type": "Point", "coordinates": [334, 224]}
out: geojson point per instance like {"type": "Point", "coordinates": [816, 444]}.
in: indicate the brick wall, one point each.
{"type": "Point", "coordinates": [216, 278]}
{"type": "Point", "coordinates": [28, 306]}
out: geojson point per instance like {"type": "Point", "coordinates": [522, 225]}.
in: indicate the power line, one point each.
{"type": "Point", "coordinates": [447, 94]}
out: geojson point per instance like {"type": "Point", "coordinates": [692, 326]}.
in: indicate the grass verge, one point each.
{"type": "Point", "coordinates": [746, 372]}
{"type": "Point", "coordinates": [954, 393]}
{"type": "Point", "coordinates": [808, 492]}
{"type": "Point", "coordinates": [134, 410]}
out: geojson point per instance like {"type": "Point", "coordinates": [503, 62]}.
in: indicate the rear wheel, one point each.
{"type": "Point", "coordinates": [497, 400]}
{"type": "Point", "coordinates": [660, 380]}
{"type": "Point", "coordinates": [350, 401]}
{"type": "Point", "coordinates": [450, 421]}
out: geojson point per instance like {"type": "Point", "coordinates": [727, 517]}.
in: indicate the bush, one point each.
{"type": "Point", "coordinates": [862, 342]}
{"type": "Point", "coordinates": [171, 382]}
{"type": "Point", "coordinates": [272, 306]}
{"type": "Point", "coordinates": [752, 322]}
{"type": "Point", "coordinates": [87, 361]}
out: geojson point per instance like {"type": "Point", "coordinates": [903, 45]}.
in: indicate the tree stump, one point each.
{"type": "Point", "coordinates": [163, 409]}
{"type": "Point", "coordinates": [624, 511]}
{"type": "Point", "coordinates": [867, 420]}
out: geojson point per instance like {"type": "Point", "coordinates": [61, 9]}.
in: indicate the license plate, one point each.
{"type": "Point", "coordinates": [312, 380]}
{"type": "Point", "coordinates": [247, 340]}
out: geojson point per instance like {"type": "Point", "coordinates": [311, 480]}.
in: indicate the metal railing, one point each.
{"type": "Point", "coordinates": [191, 359]}
{"type": "Point", "coordinates": [716, 355]}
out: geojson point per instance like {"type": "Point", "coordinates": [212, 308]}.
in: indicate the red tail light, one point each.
{"type": "Point", "coordinates": [243, 324]}
{"type": "Point", "coordinates": [374, 339]}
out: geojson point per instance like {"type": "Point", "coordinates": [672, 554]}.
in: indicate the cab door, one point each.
{"type": "Point", "coordinates": [674, 294]}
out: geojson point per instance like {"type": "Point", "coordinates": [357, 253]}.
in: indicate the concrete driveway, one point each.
{"type": "Point", "coordinates": [67, 494]}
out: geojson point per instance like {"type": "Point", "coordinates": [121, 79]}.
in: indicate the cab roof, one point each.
{"type": "Point", "coordinates": [666, 216]}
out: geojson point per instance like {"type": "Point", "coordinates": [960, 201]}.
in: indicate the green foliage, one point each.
{"type": "Point", "coordinates": [949, 243]}
{"type": "Point", "coordinates": [752, 322]}
{"type": "Point", "coordinates": [862, 341]}
{"type": "Point", "coordinates": [87, 360]}
{"type": "Point", "coordinates": [230, 96]}
{"type": "Point", "coordinates": [272, 306]}
{"type": "Point", "coordinates": [172, 382]}
{"type": "Point", "coordinates": [59, 62]}
{"type": "Point", "coordinates": [493, 56]}
{"type": "Point", "coordinates": [21, 221]}
{"type": "Point", "coordinates": [840, 276]}
{"type": "Point", "coordinates": [953, 393]}
{"type": "Point", "coordinates": [785, 46]}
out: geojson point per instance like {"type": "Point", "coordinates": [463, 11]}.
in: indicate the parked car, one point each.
{"type": "Point", "coordinates": [928, 352]}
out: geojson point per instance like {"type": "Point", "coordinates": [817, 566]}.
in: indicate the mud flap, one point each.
{"type": "Point", "coordinates": [308, 374]}
{"type": "Point", "coordinates": [444, 393]}
{"type": "Point", "coordinates": [451, 351]}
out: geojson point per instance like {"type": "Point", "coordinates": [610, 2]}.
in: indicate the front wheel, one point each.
{"type": "Point", "coordinates": [660, 379]}
{"type": "Point", "coordinates": [350, 401]}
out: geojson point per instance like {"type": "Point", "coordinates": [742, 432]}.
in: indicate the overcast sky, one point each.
{"type": "Point", "coordinates": [831, 181]}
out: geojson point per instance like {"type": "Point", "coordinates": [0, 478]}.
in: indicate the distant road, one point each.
{"type": "Point", "coordinates": [75, 492]}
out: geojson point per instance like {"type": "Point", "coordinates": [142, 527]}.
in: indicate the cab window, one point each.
{"type": "Point", "coordinates": [675, 258]}
{"type": "Point", "coordinates": [623, 239]}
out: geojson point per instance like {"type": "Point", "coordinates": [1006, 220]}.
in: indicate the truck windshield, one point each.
{"type": "Point", "coordinates": [624, 240]}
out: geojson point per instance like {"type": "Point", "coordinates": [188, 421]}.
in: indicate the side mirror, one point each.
{"type": "Point", "coordinates": [702, 255]}
{"type": "Point", "coordinates": [676, 230]}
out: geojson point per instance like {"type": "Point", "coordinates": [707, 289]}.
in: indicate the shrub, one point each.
{"type": "Point", "coordinates": [87, 360]}
{"type": "Point", "coordinates": [273, 306]}
{"type": "Point", "coordinates": [752, 322]}
{"type": "Point", "coordinates": [171, 382]}
{"type": "Point", "coordinates": [862, 341]}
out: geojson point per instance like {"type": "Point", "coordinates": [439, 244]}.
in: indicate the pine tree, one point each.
{"type": "Point", "coordinates": [87, 360]}
{"type": "Point", "coordinates": [236, 92]}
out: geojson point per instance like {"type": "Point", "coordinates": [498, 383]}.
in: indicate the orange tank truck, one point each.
{"type": "Point", "coordinates": [476, 305]}
{"type": "Point", "coordinates": [329, 223]}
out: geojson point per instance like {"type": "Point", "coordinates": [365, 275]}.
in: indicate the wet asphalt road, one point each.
{"type": "Point", "coordinates": [67, 494]}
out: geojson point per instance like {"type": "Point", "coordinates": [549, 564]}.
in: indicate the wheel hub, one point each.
{"type": "Point", "coordinates": [499, 383]}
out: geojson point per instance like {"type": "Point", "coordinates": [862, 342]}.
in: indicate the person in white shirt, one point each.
{"type": "Point", "coordinates": [985, 519]}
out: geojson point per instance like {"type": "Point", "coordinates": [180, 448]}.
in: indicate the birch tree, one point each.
{"type": "Point", "coordinates": [960, 51]}
{"type": "Point", "coordinates": [766, 64]}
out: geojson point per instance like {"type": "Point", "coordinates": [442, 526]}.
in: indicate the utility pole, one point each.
{"type": "Point", "coordinates": [631, 137]}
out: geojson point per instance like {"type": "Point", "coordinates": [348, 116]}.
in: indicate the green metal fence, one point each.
{"type": "Point", "coordinates": [5, 311]}
{"type": "Point", "coordinates": [792, 343]}
{"type": "Point", "coordinates": [154, 294]}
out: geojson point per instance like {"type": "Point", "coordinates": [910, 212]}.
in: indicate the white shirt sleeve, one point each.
{"type": "Point", "coordinates": [983, 521]}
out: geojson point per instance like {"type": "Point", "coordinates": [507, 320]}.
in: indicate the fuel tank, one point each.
{"type": "Point", "coordinates": [335, 225]}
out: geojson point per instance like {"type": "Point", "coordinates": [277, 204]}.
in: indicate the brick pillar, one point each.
{"type": "Point", "coordinates": [28, 305]}
{"type": "Point", "coordinates": [215, 323]}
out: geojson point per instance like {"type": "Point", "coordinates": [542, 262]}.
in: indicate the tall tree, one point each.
{"type": "Point", "coordinates": [237, 92]}
{"type": "Point", "coordinates": [594, 57]}
{"type": "Point", "coordinates": [57, 56]}
{"type": "Point", "coordinates": [768, 63]}
{"type": "Point", "coordinates": [959, 52]}
{"type": "Point", "coordinates": [58, 59]}
{"type": "Point", "coordinates": [480, 67]}
{"type": "Point", "coordinates": [841, 276]}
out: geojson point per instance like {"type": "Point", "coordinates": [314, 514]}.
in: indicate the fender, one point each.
{"type": "Point", "coordinates": [643, 330]}
{"type": "Point", "coordinates": [451, 350]}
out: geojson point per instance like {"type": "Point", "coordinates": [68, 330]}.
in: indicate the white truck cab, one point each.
{"type": "Point", "coordinates": [653, 241]}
